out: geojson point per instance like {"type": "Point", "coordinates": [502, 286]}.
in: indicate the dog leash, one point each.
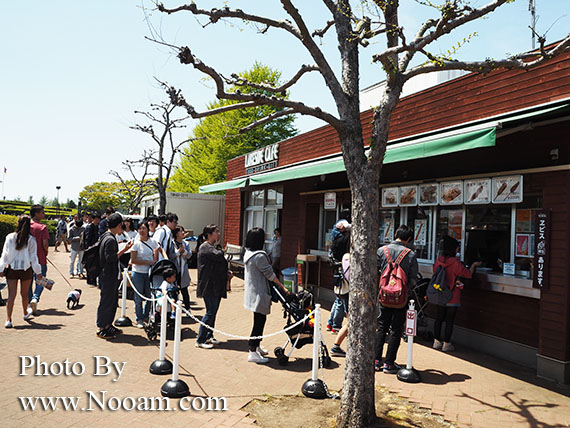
{"type": "Point", "coordinates": [58, 271]}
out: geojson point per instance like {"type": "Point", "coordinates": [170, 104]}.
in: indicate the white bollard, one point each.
{"type": "Point", "coordinates": [162, 366]}
{"type": "Point", "coordinates": [176, 388]}
{"type": "Point", "coordinates": [314, 387]}
{"type": "Point", "coordinates": [316, 342]}
{"type": "Point", "coordinates": [124, 320]}
{"type": "Point", "coordinates": [409, 374]}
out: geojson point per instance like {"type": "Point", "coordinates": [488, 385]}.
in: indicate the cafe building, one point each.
{"type": "Point", "coordinates": [482, 158]}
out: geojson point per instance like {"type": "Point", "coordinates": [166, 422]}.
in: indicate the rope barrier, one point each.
{"type": "Point", "coordinates": [150, 299]}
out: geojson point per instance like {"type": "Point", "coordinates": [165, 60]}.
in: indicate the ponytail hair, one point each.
{"type": "Point", "coordinates": [23, 232]}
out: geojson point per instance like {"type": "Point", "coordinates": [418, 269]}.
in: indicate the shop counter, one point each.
{"type": "Point", "coordinates": [494, 281]}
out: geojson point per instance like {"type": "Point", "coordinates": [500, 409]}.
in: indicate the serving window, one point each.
{"type": "Point", "coordinates": [263, 210]}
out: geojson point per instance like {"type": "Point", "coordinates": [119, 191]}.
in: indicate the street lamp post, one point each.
{"type": "Point", "coordinates": [58, 187]}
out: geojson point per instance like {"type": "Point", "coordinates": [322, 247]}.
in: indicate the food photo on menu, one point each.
{"type": "Point", "coordinates": [390, 197]}
{"type": "Point", "coordinates": [478, 191]}
{"type": "Point", "coordinates": [429, 193]}
{"type": "Point", "coordinates": [507, 189]}
{"type": "Point", "coordinates": [408, 195]}
{"type": "Point", "coordinates": [452, 193]}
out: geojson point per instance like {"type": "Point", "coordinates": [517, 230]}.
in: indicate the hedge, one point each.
{"type": "Point", "coordinates": [8, 224]}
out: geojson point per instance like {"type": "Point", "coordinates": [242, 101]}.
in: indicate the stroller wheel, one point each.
{"type": "Point", "coordinates": [278, 351]}
{"type": "Point", "coordinates": [283, 360]}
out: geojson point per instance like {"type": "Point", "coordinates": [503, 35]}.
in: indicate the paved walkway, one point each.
{"type": "Point", "coordinates": [466, 388]}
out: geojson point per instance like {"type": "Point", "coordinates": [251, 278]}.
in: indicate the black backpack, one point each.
{"type": "Point", "coordinates": [91, 259]}
{"type": "Point", "coordinates": [339, 247]}
{"type": "Point", "coordinates": [438, 291]}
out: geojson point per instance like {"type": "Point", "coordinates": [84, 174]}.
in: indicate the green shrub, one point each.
{"type": "Point", "coordinates": [8, 224]}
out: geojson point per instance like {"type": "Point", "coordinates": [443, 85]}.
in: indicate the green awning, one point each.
{"type": "Point", "coordinates": [454, 139]}
{"type": "Point", "coordinates": [224, 185]}
{"type": "Point", "coordinates": [397, 153]}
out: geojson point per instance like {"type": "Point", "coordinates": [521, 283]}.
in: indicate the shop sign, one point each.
{"type": "Point", "coordinates": [330, 201]}
{"type": "Point", "coordinates": [509, 268]}
{"type": "Point", "coordinates": [507, 189]}
{"type": "Point", "coordinates": [389, 197]}
{"type": "Point", "coordinates": [451, 193]}
{"type": "Point", "coordinates": [429, 194]}
{"type": "Point", "coordinates": [541, 250]}
{"type": "Point", "coordinates": [420, 232]}
{"type": "Point", "coordinates": [408, 196]}
{"type": "Point", "coordinates": [477, 191]}
{"type": "Point", "coordinates": [262, 159]}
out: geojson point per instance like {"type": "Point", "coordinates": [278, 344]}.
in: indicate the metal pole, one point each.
{"type": "Point", "coordinates": [163, 315]}
{"type": "Point", "coordinates": [124, 297]}
{"type": "Point", "coordinates": [177, 329]}
{"type": "Point", "coordinates": [316, 342]}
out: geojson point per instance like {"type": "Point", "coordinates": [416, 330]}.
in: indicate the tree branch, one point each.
{"type": "Point", "coordinates": [237, 80]}
{"type": "Point", "coordinates": [321, 33]}
{"type": "Point", "coordinates": [266, 119]}
{"type": "Point", "coordinates": [489, 65]}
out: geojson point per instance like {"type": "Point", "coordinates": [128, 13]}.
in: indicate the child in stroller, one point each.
{"type": "Point", "coordinates": [162, 272]}
{"type": "Point", "coordinates": [295, 308]}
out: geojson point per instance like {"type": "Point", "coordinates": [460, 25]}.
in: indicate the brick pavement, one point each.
{"type": "Point", "coordinates": [467, 389]}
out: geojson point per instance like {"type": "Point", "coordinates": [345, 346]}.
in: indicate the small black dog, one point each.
{"type": "Point", "coordinates": [73, 298]}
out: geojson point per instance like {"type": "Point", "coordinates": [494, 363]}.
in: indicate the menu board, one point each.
{"type": "Point", "coordinates": [390, 197]}
{"type": "Point", "coordinates": [429, 194]}
{"type": "Point", "coordinates": [408, 196]}
{"type": "Point", "coordinates": [477, 191]}
{"type": "Point", "coordinates": [451, 193]}
{"type": "Point", "coordinates": [420, 232]}
{"type": "Point", "coordinates": [507, 190]}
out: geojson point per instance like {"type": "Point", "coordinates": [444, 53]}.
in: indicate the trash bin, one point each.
{"type": "Point", "coordinates": [289, 275]}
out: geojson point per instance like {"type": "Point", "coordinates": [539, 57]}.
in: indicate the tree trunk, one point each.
{"type": "Point", "coordinates": [357, 405]}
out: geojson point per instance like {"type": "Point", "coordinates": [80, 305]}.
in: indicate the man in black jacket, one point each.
{"type": "Point", "coordinates": [91, 236]}
{"type": "Point", "coordinates": [109, 255]}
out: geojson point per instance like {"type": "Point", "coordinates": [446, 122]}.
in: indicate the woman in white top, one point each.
{"type": "Point", "coordinates": [130, 228]}
{"type": "Point", "coordinates": [144, 254]}
{"type": "Point", "coordinates": [19, 262]}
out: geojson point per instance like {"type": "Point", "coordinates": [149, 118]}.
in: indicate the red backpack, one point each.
{"type": "Point", "coordinates": [394, 282]}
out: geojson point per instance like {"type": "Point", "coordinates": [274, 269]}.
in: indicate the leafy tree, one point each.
{"type": "Point", "coordinates": [217, 140]}
{"type": "Point", "coordinates": [31, 200]}
{"type": "Point", "coordinates": [358, 24]}
{"type": "Point", "coordinates": [70, 204]}
{"type": "Point", "coordinates": [99, 195]}
{"type": "Point", "coordinates": [43, 201]}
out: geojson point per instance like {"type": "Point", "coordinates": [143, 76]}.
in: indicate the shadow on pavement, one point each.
{"type": "Point", "coordinates": [54, 312]}
{"type": "Point", "coordinates": [520, 406]}
{"type": "Point", "coordinates": [37, 326]}
{"type": "Point", "coordinates": [439, 377]}
{"type": "Point", "coordinates": [132, 339]}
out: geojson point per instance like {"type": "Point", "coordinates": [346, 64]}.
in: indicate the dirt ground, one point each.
{"type": "Point", "coordinates": [299, 411]}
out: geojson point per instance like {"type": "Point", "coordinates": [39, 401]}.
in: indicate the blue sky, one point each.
{"type": "Point", "coordinates": [74, 72]}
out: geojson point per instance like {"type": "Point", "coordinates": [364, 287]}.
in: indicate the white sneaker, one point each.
{"type": "Point", "coordinates": [437, 344]}
{"type": "Point", "coordinates": [212, 340]}
{"type": "Point", "coordinates": [262, 351]}
{"type": "Point", "coordinates": [255, 357]}
{"type": "Point", "coordinates": [34, 306]}
{"type": "Point", "coordinates": [28, 315]}
{"type": "Point", "coordinates": [204, 345]}
{"type": "Point", "coordinates": [140, 324]}
{"type": "Point", "coordinates": [447, 347]}
{"type": "Point", "coordinates": [8, 324]}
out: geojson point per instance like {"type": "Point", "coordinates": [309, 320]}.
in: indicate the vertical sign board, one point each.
{"type": "Point", "coordinates": [411, 318]}
{"type": "Point", "coordinates": [330, 201]}
{"type": "Point", "coordinates": [542, 249]}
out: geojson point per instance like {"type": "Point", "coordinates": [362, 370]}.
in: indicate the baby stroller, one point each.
{"type": "Point", "coordinates": [295, 308]}
{"type": "Point", "coordinates": [152, 328]}
{"type": "Point", "coordinates": [419, 295]}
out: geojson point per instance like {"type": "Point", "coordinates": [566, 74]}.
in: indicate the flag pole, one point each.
{"type": "Point", "coordinates": [3, 180]}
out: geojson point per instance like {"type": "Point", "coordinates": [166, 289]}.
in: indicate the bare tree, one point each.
{"type": "Point", "coordinates": [167, 146]}
{"type": "Point", "coordinates": [135, 188]}
{"type": "Point", "coordinates": [355, 27]}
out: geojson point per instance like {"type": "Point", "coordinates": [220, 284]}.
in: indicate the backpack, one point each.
{"type": "Point", "coordinates": [394, 282]}
{"type": "Point", "coordinates": [438, 291]}
{"type": "Point", "coordinates": [339, 247]}
{"type": "Point", "coordinates": [91, 259]}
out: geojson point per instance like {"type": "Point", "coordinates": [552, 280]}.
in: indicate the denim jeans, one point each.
{"type": "Point", "coordinates": [141, 282]}
{"type": "Point", "coordinates": [37, 292]}
{"type": "Point", "coordinates": [212, 305]}
{"type": "Point", "coordinates": [338, 311]}
{"type": "Point", "coordinates": [79, 256]}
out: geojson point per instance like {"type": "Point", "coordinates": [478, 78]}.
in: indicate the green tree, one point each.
{"type": "Point", "coordinates": [217, 140]}
{"type": "Point", "coordinates": [99, 195]}
{"type": "Point", "coordinates": [31, 200]}
{"type": "Point", "coordinates": [43, 201]}
{"type": "Point", "coordinates": [70, 204]}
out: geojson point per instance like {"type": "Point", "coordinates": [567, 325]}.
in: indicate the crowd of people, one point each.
{"type": "Point", "coordinates": [122, 243]}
